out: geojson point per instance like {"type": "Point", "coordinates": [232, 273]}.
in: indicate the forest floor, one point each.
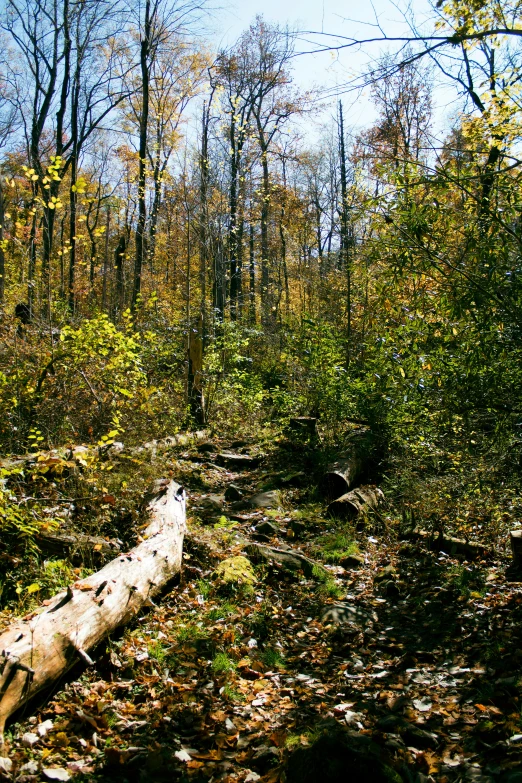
{"type": "Point", "coordinates": [233, 680]}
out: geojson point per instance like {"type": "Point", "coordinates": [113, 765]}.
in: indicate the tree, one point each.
{"type": "Point", "coordinates": [159, 24]}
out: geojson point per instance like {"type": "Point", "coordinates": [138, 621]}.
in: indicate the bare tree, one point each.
{"type": "Point", "coordinates": [159, 24]}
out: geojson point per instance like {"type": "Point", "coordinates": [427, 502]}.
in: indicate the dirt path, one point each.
{"type": "Point", "coordinates": [225, 680]}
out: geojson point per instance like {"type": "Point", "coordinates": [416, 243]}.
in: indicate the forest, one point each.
{"type": "Point", "coordinates": [260, 397]}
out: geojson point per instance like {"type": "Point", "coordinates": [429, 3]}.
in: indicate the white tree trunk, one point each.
{"type": "Point", "coordinates": [39, 648]}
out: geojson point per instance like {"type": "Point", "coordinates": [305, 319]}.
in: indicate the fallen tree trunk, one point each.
{"type": "Point", "coordinates": [516, 546]}
{"type": "Point", "coordinates": [342, 475]}
{"type": "Point", "coordinates": [78, 546]}
{"type": "Point", "coordinates": [450, 545]}
{"type": "Point", "coordinates": [353, 503]}
{"type": "Point", "coordinates": [288, 558]}
{"type": "Point", "coordinates": [74, 456]}
{"type": "Point", "coordinates": [39, 648]}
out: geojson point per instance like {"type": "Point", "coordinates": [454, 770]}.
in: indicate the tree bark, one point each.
{"type": "Point", "coordinates": [354, 503]}
{"type": "Point", "coordinates": [195, 372]}
{"type": "Point", "coordinates": [515, 538]}
{"type": "Point", "coordinates": [2, 254]}
{"type": "Point", "coordinates": [340, 477]}
{"type": "Point", "coordinates": [145, 49]}
{"type": "Point", "coordinates": [39, 648]}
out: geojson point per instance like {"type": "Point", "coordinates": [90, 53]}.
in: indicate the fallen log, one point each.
{"type": "Point", "coordinates": [78, 545]}
{"type": "Point", "coordinates": [516, 547]}
{"type": "Point", "coordinates": [450, 545]}
{"type": "Point", "coordinates": [78, 456]}
{"type": "Point", "coordinates": [39, 648]}
{"type": "Point", "coordinates": [287, 558]}
{"type": "Point", "coordinates": [341, 476]}
{"type": "Point", "coordinates": [353, 503]}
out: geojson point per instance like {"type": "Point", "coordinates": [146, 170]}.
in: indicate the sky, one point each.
{"type": "Point", "coordinates": [336, 17]}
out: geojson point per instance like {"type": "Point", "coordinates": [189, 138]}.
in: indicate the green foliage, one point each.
{"type": "Point", "coordinates": [260, 622]}
{"type": "Point", "coordinates": [18, 520]}
{"type": "Point", "coordinates": [332, 547]}
{"type": "Point", "coordinates": [222, 664]}
{"type": "Point", "coordinates": [273, 659]}
{"type": "Point", "coordinates": [190, 632]}
{"type": "Point", "coordinates": [232, 694]}
{"type": "Point", "coordinates": [233, 392]}
{"type": "Point", "coordinates": [222, 611]}
{"type": "Point", "coordinates": [466, 580]}
{"type": "Point", "coordinates": [327, 587]}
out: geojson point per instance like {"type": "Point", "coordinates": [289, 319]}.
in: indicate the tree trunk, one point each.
{"type": "Point", "coordinates": [340, 477]}
{"type": "Point", "coordinates": [195, 373]}
{"type": "Point", "coordinates": [38, 649]}
{"type": "Point", "coordinates": [2, 254]}
{"type": "Point", "coordinates": [144, 124]}
{"type": "Point", "coordinates": [354, 503]}
{"type": "Point", "coordinates": [106, 261]}
{"type": "Point", "coordinates": [266, 291]}
{"type": "Point", "coordinates": [345, 234]}
{"type": "Point", "coordinates": [119, 259]}
{"type": "Point", "coordinates": [252, 277]}
{"type": "Point", "coordinates": [203, 220]}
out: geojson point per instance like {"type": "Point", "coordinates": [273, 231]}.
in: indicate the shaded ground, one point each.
{"type": "Point", "coordinates": [415, 649]}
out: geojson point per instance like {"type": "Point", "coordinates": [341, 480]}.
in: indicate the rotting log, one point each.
{"type": "Point", "coordinates": [287, 558]}
{"type": "Point", "coordinates": [76, 454]}
{"type": "Point", "coordinates": [471, 550]}
{"type": "Point", "coordinates": [515, 538]}
{"type": "Point", "coordinates": [78, 545]}
{"type": "Point", "coordinates": [342, 475]}
{"type": "Point", "coordinates": [354, 503]}
{"type": "Point", "coordinates": [39, 648]}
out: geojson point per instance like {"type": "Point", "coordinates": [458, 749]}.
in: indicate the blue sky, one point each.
{"type": "Point", "coordinates": [344, 17]}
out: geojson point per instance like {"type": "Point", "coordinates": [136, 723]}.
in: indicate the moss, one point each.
{"type": "Point", "coordinates": [236, 571]}
{"type": "Point", "coordinates": [334, 547]}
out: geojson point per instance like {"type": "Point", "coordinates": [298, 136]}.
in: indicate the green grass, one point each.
{"type": "Point", "coordinates": [273, 659]}
{"type": "Point", "coordinates": [222, 611]}
{"type": "Point", "coordinates": [232, 694]}
{"type": "Point", "coordinates": [157, 651]}
{"type": "Point", "coordinates": [222, 664]}
{"type": "Point", "coordinates": [190, 633]}
{"type": "Point", "coordinates": [466, 580]}
{"type": "Point", "coordinates": [204, 587]}
{"type": "Point", "coordinates": [333, 547]}
{"type": "Point", "coordinates": [330, 589]}
{"type": "Point", "coordinates": [327, 587]}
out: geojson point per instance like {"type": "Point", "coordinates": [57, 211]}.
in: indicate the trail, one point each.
{"type": "Point", "coordinates": [414, 649]}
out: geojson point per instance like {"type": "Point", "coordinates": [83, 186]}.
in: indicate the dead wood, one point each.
{"type": "Point", "coordinates": [288, 558]}
{"type": "Point", "coordinates": [471, 550]}
{"type": "Point", "coordinates": [353, 503]}
{"type": "Point", "coordinates": [515, 538]}
{"type": "Point", "coordinates": [39, 648]}
{"type": "Point", "coordinates": [350, 467]}
{"type": "Point", "coordinates": [77, 545]}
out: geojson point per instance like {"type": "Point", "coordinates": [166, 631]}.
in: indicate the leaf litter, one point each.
{"type": "Point", "coordinates": [224, 680]}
